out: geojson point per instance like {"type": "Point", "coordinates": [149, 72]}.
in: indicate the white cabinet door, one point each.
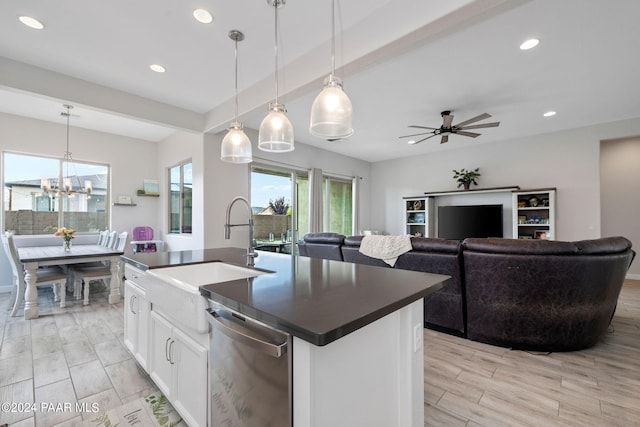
{"type": "Point", "coordinates": [190, 397]}
{"type": "Point", "coordinates": [162, 343]}
{"type": "Point", "coordinates": [130, 318]}
{"type": "Point", "coordinates": [136, 322]}
{"type": "Point", "coordinates": [178, 365]}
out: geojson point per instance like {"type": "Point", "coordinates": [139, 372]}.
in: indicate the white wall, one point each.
{"type": "Point", "coordinates": [131, 161]}
{"type": "Point", "coordinates": [568, 160]}
{"type": "Point", "coordinates": [222, 181]}
{"type": "Point", "coordinates": [620, 203]}
{"type": "Point", "coordinates": [178, 148]}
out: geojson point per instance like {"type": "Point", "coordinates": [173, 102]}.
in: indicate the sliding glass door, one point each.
{"type": "Point", "coordinates": [280, 204]}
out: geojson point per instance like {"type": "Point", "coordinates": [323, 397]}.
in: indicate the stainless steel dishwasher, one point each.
{"type": "Point", "coordinates": [249, 372]}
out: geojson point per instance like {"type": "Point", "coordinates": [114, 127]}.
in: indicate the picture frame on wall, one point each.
{"type": "Point", "coordinates": [151, 187]}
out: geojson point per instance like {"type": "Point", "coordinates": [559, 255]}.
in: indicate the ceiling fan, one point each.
{"type": "Point", "coordinates": [447, 128]}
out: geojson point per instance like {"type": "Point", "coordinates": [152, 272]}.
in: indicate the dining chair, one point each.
{"type": "Point", "coordinates": [85, 275]}
{"type": "Point", "coordinates": [103, 238]}
{"type": "Point", "coordinates": [112, 239]}
{"type": "Point", "coordinates": [107, 239]}
{"type": "Point", "coordinates": [53, 276]}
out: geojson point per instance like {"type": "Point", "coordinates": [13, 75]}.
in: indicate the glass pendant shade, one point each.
{"type": "Point", "coordinates": [331, 112]}
{"type": "Point", "coordinates": [276, 131]}
{"type": "Point", "coordinates": [236, 145]}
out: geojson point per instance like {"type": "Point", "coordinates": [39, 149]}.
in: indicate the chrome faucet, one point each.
{"type": "Point", "coordinates": [251, 253]}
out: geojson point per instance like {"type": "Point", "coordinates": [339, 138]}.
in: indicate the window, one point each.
{"type": "Point", "coordinates": [181, 198]}
{"type": "Point", "coordinates": [28, 209]}
{"type": "Point", "coordinates": [337, 197]}
{"type": "Point", "coordinates": [280, 209]}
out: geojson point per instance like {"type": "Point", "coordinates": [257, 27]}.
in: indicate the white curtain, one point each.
{"type": "Point", "coordinates": [355, 194]}
{"type": "Point", "coordinates": [315, 201]}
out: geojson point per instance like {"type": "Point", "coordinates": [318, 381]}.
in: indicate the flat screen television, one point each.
{"type": "Point", "coordinates": [460, 222]}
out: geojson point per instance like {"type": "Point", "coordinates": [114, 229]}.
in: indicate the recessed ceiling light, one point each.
{"type": "Point", "coordinates": [203, 16]}
{"type": "Point", "coordinates": [529, 44]}
{"type": "Point", "coordinates": [157, 68]}
{"type": "Point", "coordinates": [549, 113]}
{"type": "Point", "coordinates": [411, 141]}
{"type": "Point", "coordinates": [31, 22]}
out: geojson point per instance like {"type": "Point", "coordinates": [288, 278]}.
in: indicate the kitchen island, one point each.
{"type": "Point", "coordinates": [356, 330]}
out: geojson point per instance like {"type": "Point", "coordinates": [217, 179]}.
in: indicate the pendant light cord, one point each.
{"type": "Point", "coordinates": [333, 38]}
{"type": "Point", "coordinates": [275, 6]}
{"type": "Point", "coordinates": [67, 154]}
{"type": "Point", "coordinates": [236, 77]}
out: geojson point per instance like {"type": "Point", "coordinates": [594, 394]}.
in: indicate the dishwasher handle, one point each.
{"type": "Point", "coordinates": [265, 340]}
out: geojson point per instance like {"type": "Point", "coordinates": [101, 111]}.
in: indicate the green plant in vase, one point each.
{"type": "Point", "coordinates": [466, 177]}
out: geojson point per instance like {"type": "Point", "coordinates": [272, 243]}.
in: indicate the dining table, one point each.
{"type": "Point", "coordinates": [33, 257]}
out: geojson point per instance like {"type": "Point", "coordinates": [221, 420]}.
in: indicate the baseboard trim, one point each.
{"type": "Point", "coordinates": [5, 288]}
{"type": "Point", "coordinates": [633, 276]}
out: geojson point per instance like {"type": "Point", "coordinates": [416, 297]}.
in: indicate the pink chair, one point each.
{"type": "Point", "coordinates": [142, 233]}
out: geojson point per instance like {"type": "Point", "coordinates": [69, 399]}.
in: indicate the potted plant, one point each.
{"type": "Point", "coordinates": [466, 177]}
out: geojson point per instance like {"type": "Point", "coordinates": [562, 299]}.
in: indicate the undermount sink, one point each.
{"type": "Point", "coordinates": [176, 292]}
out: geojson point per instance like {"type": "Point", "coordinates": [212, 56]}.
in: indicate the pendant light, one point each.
{"type": "Point", "coordinates": [276, 131]}
{"type": "Point", "coordinates": [331, 110]}
{"type": "Point", "coordinates": [236, 145]}
{"type": "Point", "coordinates": [67, 183]}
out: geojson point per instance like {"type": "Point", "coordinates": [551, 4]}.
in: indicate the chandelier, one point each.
{"type": "Point", "coordinates": [67, 186]}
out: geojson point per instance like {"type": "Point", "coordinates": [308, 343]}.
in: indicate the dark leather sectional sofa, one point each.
{"type": "Point", "coordinates": [526, 294]}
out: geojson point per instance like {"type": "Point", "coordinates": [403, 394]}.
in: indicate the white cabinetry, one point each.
{"type": "Point", "coordinates": [419, 216]}
{"type": "Point", "coordinates": [178, 365]}
{"type": "Point", "coordinates": [136, 322]}
{"type": "Point", "coordinates": [534, 214]}
{"type": "Point", "coordinates": [371, 377]}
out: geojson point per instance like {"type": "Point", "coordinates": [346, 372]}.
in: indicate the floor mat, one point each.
{"type": "Point", "coordinates": [151, 410]}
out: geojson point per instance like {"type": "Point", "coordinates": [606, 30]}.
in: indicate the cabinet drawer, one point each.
{"type": "Point", "coordinates": [137, 276]}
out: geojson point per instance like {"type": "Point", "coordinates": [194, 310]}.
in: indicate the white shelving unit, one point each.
{"type": "Point", "coordinates": [419, 216]}
{"type": "Point", "coordinates": [534, 214]}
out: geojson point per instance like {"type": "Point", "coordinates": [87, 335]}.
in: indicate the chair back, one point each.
{"type": "Point", "coordinates": [142, 233]}
{"type": "Point", "coordinates": [121, 241]}
{"type": "Point", "coordinates": [103, 237]}
{"type": "Point", "coordinates": [112, 239]}
{"type": "Point", "coordinates": [11, 251]}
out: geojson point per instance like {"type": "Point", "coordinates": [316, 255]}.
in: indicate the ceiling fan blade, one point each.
{"type": "Point", "coordinates": [447, 119]}
{"type": "Point", "coordinates": [422, 127]}
{"type": "Point", "coordinates": [430, 136]}
{"type": "Point", "coordinates": [415, 134]}
{"type": "Point", "coordinates": [465, 133]}
{"type": "Point", "coordinates": [474, 119]}
{"type": "Point", "coordinates": [482, 125]}
{"type": "Point", "coordinates": [445, 138]}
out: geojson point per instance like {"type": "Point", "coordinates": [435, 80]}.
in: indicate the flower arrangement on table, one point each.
{"type": "Point", "coordinates": [67, 234]}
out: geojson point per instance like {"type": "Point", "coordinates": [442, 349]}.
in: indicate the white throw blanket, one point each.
{"type": "Point", "coordinates": [386, 248]}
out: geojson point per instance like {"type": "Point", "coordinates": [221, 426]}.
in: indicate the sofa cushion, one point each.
{"type": "Point", "coordinates": [322, 245]}
{"type": "Point", "coordinates": [520, 247]}
{"type": "Point", "coordinates": [327, 238]}
{"type": "Point", "coordinates": [606, 245]}
{"type": "Point", "coordinates": [435, 245]}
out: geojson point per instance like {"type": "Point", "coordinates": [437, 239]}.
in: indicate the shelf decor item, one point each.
{"type": "Point", "coordinates": [150, 186]}
{"type": "Point", "coordinates": [466, 177]}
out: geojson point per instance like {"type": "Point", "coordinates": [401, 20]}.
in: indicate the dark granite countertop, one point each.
{"type": "Point", "coordinates": [313, 299]}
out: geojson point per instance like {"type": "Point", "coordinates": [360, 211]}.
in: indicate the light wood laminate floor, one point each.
{"type": "Point", "coordinates": [473, 384]}
{"type": "Point", "coordinates": [77, 354]}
